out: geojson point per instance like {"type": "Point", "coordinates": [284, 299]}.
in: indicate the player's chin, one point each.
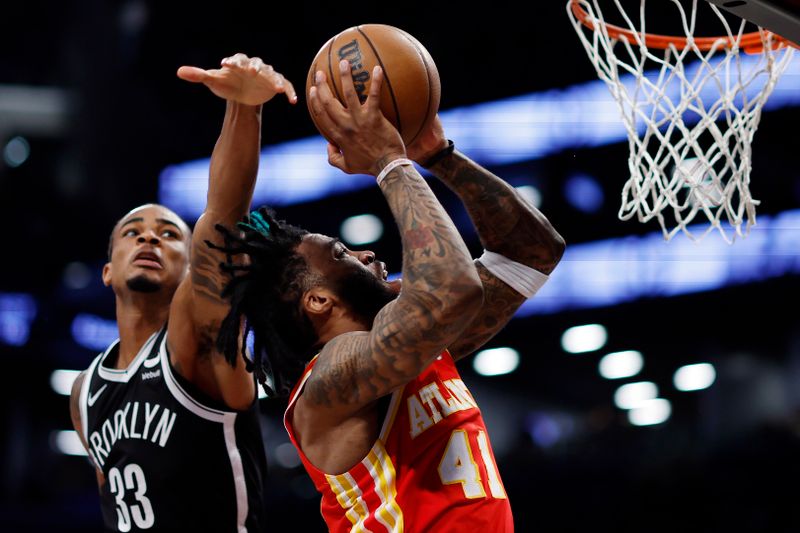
{"type": "Point", "coordinates": [147, 280]}
{"type": "Point", "coordinates": [144, 282]}
{"type": "Point", "coordinates": [395, 285]}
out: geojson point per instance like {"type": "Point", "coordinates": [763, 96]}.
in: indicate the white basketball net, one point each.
{"type": "Point", "coordinates": [690, 116]}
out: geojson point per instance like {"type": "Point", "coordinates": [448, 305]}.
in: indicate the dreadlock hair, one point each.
{"type": "Point", "coordinates": [266, 291]}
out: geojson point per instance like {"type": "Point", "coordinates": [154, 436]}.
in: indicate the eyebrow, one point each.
{"type": "Point", "coordinates": [166, 221]}
{"type": "Point", "coordinates": [131, 221]}
{"type": "Point", "coordinates": [141, 219]}
{"type": "Point", "coordinates": [333, 242]}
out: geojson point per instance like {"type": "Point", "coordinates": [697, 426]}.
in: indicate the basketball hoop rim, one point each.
{"type": "Point", "coordinates": [751, 43]}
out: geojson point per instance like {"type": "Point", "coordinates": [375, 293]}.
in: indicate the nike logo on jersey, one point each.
{"type": "Point", "coordinates": [150, 363]}
{"type": "Point", "coordinates": [93, 397]}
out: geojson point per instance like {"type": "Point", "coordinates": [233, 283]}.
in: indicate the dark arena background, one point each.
{"type": "Point", "coordinates": [94, 121]}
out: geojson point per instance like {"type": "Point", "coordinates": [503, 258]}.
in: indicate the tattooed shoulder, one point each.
{"type": "Point", "coordinates": [208, 280]}
{"type": "Point", "coordinates": [334, 378]}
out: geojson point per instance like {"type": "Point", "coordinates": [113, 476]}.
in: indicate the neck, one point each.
{"type": "Point", "coordinates": [139, 315]}
{"type": "Point", "coordinates": [338, 324]}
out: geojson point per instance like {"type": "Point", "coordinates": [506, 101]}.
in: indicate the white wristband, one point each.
{"type": "Point", "coordinates": [391, 166]}
{"type": "Point", "coordinates": [522, 278]}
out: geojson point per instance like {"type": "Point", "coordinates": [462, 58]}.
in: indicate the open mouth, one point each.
{"type": "Point", "coordinates": [147, 260]}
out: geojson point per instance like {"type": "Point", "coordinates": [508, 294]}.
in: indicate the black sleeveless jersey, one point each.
{"type": "Point", "coordinates": [171, 463]}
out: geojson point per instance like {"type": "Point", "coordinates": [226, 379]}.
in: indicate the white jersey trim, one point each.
{"type": "Point", "coordinates": [239, 482]}
{"type": "Point", "coordinates": [83, 402]}
{"type": "Point", "coordinates": [122, 376]}
{"type": "Point", "coordinates": [183, 397]}
{"type": "Point", "coordinates": [228, 421]}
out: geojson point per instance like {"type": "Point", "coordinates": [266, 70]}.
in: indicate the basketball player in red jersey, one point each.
{"type": "Point", "coordinates": [384, 425]}
{"type": "Point", "coordinates": [171, 427]}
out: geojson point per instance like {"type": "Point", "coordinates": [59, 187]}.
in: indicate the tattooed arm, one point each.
{"type": "Point", "coordinates": [198, 308]}
{"type": "Point", "coordinates": [440, 295]}
{"type": "Point", "coordinates": [506, 225]}
{"type": "Point", "coordinates": [441, 291]}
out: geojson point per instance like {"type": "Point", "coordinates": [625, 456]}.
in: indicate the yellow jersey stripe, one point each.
{"type": "Point", "coordinates": [350, 499]}
{"type": "Point", "coordinates": [380, 467]}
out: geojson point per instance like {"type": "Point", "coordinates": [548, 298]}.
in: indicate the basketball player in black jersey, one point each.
{"type": "Point", "coordinates": [171, 425]}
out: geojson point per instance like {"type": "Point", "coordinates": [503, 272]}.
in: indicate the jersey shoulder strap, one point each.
{"type": "Point", "coordinates": [83, 397]}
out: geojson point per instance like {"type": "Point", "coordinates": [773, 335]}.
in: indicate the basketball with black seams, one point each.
{"type": "Point", "coordinates": [411, 89]}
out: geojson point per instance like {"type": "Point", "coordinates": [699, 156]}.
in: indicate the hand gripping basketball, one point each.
{"type": "Point", "coordinates": [361, 140]}
{"type": "Point", "coordinates": [410, 92]}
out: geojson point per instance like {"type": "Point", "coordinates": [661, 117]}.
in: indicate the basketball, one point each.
{"type": "Point", "coordinates": [411, 88]}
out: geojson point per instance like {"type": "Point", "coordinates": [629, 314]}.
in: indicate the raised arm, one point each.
{"type": "Point", "coordinates": [506, 224]}
{"type": "Point", "coordinates": [440, 292]}
{"type": "Point", "coordinates": [198, 309]}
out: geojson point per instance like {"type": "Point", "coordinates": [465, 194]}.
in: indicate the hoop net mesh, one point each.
{"type": "Point", "coordinates": [690, 116]}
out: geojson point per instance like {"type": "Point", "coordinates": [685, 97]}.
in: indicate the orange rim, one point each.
{"type": "Point", "coordinates": [751, 43]}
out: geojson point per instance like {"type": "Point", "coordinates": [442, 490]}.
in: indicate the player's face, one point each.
{"type": "Point", "coordinates": [150, 251]}
{"type": "Point", "coordinates": [355, 276]}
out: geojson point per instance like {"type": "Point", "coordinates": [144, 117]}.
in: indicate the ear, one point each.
{"type": "Point", "coordinates": [107, 274]}
{"type": "Point", "coordinates": [318, 301]}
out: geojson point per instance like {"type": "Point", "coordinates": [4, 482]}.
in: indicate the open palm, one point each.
{"type": "Point", "coordinates": [242, 79]}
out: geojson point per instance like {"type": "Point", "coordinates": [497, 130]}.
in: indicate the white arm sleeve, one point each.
{"type": "Point", "coordinates": [522, 278]}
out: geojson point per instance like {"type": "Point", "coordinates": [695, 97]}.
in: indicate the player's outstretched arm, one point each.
{"type": "Point", "coordinates": [506, 225]}
{"type": "Point", "coordinates": [198, 308]}
{"type": "Point", "coordinates": [440, 292]}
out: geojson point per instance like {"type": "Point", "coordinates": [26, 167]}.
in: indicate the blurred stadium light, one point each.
{"type": "Point", "coordinates": [507, 131]}
{"type": "Point", "coordinates": [17, 312]}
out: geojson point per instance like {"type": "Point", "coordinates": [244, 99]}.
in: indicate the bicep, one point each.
{"type": "Point", "coordinates": [75, 405]}
{"type": "Point", "coordinates": [196, 314]}
{"type": "Point", "coordinates": [198, 307]}
{"type": "Point", "coordinates": [500, 302]}
{"type": "Point", "coordinates": [357, 368]}
{"type": "Point", "coordinates": [206, 279]}
{"type": "Point", "coordinates": [75, 415]}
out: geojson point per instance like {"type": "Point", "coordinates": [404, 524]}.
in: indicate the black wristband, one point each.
{"type": "Point", "coordinates": [438, 156]}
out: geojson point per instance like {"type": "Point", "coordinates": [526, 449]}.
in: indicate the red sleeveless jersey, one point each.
{"type": "Point", "coordinates": [431, 469]}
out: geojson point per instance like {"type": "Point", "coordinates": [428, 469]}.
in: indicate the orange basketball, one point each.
{"type": "Point", "coordinates": [411, 89]}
